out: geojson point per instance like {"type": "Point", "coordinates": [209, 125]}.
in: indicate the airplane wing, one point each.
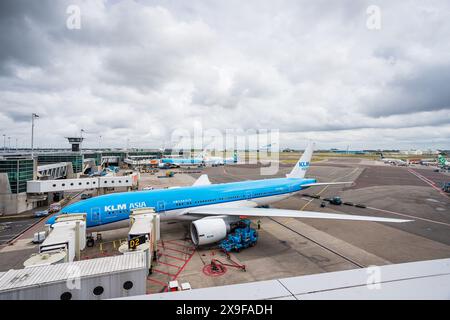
{"type": "Point", "coordinates": [263, 212]}
{"type": "Point", "coordinates": [324, 183]}
{"type": "Point", "coordinates": [203, 180]}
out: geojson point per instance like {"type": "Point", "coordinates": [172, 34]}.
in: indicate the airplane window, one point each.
{"type": "Point", "coordinates": [54, 186]}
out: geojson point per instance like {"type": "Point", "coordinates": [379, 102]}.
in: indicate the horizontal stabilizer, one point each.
{"type": "Point", "coordinates": [324, 184]}
{"type": "Point", "coordinates": [262, 212]}
{"type": "Point", "coordinates": [203, 180]}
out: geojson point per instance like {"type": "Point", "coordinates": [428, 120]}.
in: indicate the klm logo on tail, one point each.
{"type": "Point", "coordinates": [303, 165]}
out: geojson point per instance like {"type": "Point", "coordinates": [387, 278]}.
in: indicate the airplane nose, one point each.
{"type": "Point", "coordinates": [51, 220]}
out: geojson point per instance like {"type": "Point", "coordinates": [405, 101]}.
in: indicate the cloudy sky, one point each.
{"type": "Point", "coordinates": [140, 70]}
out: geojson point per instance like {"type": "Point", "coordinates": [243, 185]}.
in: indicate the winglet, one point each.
{"type": "Point", "coordinates": [203, 180]}
{"type": "Point", "coordinates": [303, 164]}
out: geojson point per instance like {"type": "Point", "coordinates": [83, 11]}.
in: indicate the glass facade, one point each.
{"type": "Point", "coordinates": [75, 158]}
{"type": "Point", "coordinates": [19, 172]}
{"type": "Point", "coordinates": [119, 154]}
{"type": "Point", "coordinates": [97, 156]}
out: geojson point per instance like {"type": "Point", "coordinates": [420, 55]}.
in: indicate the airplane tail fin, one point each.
{"type": "Point", "coordinates": [302, 165]}
{"type": "Point", "coordinates": [203, 154]}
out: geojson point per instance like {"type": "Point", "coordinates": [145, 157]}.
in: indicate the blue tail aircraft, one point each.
{"type": "Point", "coordinates": [181, 162]}
{"type": "Point", "coordinates": [211, 208]}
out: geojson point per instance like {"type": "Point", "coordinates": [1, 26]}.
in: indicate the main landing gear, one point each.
{"type": "Point", "coordinates": [90, 242]}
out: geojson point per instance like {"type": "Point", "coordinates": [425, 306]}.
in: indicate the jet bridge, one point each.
{"type": "Point", "coordinates": [64, 241]}
{"type": "Point", "coordinates": [144, 233]}
{"type": "Point", "coordinates": [55, 170]}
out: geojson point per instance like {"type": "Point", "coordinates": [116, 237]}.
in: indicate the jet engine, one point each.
{"type": "Point", "coordinates": [208, 230]}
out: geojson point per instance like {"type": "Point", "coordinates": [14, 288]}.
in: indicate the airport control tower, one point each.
{"type": "Point", "coordinates": [75, 142]}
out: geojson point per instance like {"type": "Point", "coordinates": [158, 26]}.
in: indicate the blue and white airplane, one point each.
{"type": "Point", "coordinates": [219, 161]}
{"type": "Point", "coordinates": [181, 162]}
{"type": "Point", "coordinates": [211, 208]}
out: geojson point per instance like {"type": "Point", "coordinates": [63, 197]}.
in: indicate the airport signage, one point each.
{"type": "Point", "coordinates": [133, 243]}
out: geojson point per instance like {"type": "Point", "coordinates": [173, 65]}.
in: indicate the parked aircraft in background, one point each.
{"type": "Point", "coordinates": [219, 161]}
{"type": "Point", "coordinates": [398, 162]}
{"type": "Point", "coordinates": [181, 162]}
{"type": "Point", "coordinates": [428, 162]}
{"type": "Point", "coordinates": [443, 162]}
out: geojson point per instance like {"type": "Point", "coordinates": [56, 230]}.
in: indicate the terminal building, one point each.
{"type": "Point", "coordinates": [28, 182]}
{"type": "Point", "coordinates": [15, 172]}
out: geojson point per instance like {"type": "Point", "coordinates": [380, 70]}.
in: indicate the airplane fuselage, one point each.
{"type": "Point", "coordinates": [112, 211]}
{"type": "Point", "coordinates": [182, 162]}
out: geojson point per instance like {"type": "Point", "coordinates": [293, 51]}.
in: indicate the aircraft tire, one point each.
{"type": "Point", "coordinates": [90, 243]}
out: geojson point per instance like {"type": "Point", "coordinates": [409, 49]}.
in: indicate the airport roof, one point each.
{"type": "Point", "coordinates": [413, 280]}
{"type": "Point", "coordinates": [40, 275]}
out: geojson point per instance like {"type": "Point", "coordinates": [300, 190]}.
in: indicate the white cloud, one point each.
{"type": "Point", "coordinates": [140, 69]}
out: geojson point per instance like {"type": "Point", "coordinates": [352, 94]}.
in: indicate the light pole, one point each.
{"type": "Point", "coordinates": [100, 142]}
{"type": "Point", "coordinates": [33, 116]}
{"type": "Point", "coordinates": [17, 144]}
{"type": "Point", "coordinates": [9, 144]}
{"type": "Point", "coordinates": [81, 136]}
{"type": "Point", "coordinates": [4, 143]}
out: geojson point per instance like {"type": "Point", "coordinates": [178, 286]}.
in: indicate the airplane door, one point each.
{"type": "Point", "coordinates": [161, 206]}
{"type": "Point", "coordinates": [95, 215]}
{"type": "Point", "coordinates": [248, 194]}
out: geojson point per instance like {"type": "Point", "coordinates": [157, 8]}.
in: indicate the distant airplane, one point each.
{"type": "Point", "coordinates": [219, 161]}
{"type": "Point", "coordinates": [212, 208]}
{"type": "Point", "coordinates": [268, 147]}
{"type": "Point", "coordinates": [398, 162]}
{"type": "Point", "coordinates": [181, 162]}
{"type": "Point", "coordinates": [443, 162]}
{"type": "Point", "coordinates": [428, 162]}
